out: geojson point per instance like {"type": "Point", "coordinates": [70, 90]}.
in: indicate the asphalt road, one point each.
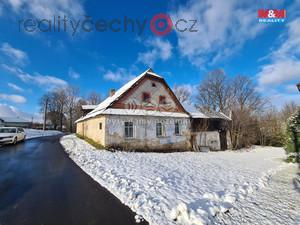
{"type": "Point", "coordinates": [41, 185]}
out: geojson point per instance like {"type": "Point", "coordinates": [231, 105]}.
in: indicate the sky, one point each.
{"type": "Point", "coordinates": [114, 41]}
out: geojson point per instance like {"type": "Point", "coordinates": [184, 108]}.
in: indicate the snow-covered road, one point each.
{"type": "Point", "coordinates": [178, 188]}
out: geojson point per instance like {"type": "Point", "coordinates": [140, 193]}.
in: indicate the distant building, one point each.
{"type": "Point", "coordinates": [14, 122]}
{"type": "Point", "coordinates": [146, 115]}
{"type": "Point", "coordinates": [87, 108]}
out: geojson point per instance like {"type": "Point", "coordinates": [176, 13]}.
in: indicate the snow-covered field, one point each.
{"type": "Point", "coordinates": [33, 133]}
{"type": "Point", "coordinates": [279, 203]}
{"type": "Point", "coordinates": [177, 188]}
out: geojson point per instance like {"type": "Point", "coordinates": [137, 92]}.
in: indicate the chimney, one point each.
{"type": "Point", "coordinates": [112, 92]}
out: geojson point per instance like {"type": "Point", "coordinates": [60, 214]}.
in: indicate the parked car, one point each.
{"type": "Point", "coordinates": [11, 135]}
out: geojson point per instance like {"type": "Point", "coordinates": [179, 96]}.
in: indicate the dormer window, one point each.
{"type": "Point", "coordinates": [162, 99]}
{"type": "Point", "coordinates": [146, 97]}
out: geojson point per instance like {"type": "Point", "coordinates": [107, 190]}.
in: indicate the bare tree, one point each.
{"type": "Point", "coordinates": [53, 113]}
{"type": "Point", "coordinates": [288, 109]}
{"type": "Point", "coordinates": [94, 98]}
{"type": "Point", "coordinates": [182, 93]}
{"type": "Point", "coordinates": [246, 104]}
{"type": "Point", "coordinates": [78, 108]}
{"type": "Point", "coordinates": [271, 127]}
{"type": "Point", "coordinates": [245, 94]}
{"type": "Point", "coordinates": [59, 99]}
{"type": "Point", "coordinates": [44, 102]}
{"type": "Point", "coordinates": [214, 92]}
{"type": "Point", "coordinates": [273, 124]}
{"type": "Point", "coordinates": [237, 97]}
{"type": "Point", "coordinates": [72, 98]}
{"type": "Point", "coordinates": [62, 106]}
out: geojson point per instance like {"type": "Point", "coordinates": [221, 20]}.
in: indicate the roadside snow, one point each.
{"type": "Point", "coordinates": [33, 133]}
{"type": "Point", "coordinates": [177, 188]}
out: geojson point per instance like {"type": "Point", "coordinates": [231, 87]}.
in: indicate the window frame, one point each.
{"type": "Point", "coordinates": [128, 125]}
{"type": "Point", "coordinates": [161, 129]}
{"type": "Point", "coordinates": [162, 99]}
{"type": "Point", "coordinates": [146, 100]}
{"type": "Point", "coordinates": [177, 128]}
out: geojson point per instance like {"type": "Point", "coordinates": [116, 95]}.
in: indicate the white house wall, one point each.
{"type": "Point", "coordinates": [144, 136]}
{"type": "Point", "coordinates": [209, 139]}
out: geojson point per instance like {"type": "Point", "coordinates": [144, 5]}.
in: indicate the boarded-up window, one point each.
{"type": "Point", "coordinates": [128, 129]}
{"type": "Point", "coordinates": [159, 129]}
{"type": "Point", "coordinates": [162, 99]}
{"type": "Point", "coordinates": [177, 128]}
{"type": "Point", "coordinates": [146, 97]}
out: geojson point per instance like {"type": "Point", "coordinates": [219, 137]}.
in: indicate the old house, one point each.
{"type": "Point", "coordinates": [145, 115]}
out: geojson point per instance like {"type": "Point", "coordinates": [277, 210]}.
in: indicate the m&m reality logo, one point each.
{"type": "Point", "coordinates": [271, 15]}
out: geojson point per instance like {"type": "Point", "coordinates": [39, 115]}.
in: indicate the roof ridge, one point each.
{"type": "Point", "coordinates": [111, 99]}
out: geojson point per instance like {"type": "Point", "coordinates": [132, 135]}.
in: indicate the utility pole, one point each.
{"type": "Point", "coordinates": [45, 113]}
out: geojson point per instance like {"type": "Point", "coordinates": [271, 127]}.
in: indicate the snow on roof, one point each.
{"type": "Point", "coordinates": [149, 71]}
{"type": "Point", "coordinates": [199, 115]}
{"type": "Point", "coordinates": [218, 115]}
{"type": "Point", "coordinates": [14, 120]}
{"type": "Point", "coordinates": [141, 112]}
{"type": "Point", "coordinates": [88, 106]}
{"type": "Point", "coordinates": [195, 113]}
{"type": "Point", "coordinates": [111, 99]}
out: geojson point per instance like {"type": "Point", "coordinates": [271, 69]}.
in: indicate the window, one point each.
{"type": "Point", "coordinates": [177, 128]}
{"type": "Point", "coordinates": [153, 85]}
{"type": "Point", "coordinates": [8, 130]}
{"type": "Point", "coordinates": [146, 97]}
{"type": "Point", "coordinates": [159, 129]}
{"type": "Point", "coordinates": [162, 99]}
{"type": "Point", "coordinates": [128, 129]}
{"type": "Point", "coordinates": [100, 126]}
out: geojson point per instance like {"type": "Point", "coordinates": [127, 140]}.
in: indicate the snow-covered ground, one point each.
{"type": "Point", "coordinates": [279, 203]}
{"type": "Point", "coordinates": [33, 133]}
{"type": "Point", "coordinates": [178, 188]}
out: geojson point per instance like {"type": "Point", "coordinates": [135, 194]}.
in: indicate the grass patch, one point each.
{"type": "Point", "coordinates": [79, 136]}
{"type": "Point", "coordinates": [291, 159]}
{"type": "Point", "coordinates": [90, 141]}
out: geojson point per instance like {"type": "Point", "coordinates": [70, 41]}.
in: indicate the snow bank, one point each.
{"type": "Point", "coordinates": [32, 133]}
{"type": "Point", "coordinates": [177, 188]}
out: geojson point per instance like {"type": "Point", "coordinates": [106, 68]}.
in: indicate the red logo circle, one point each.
{"type": "Point", "coordinates": [161, 24]}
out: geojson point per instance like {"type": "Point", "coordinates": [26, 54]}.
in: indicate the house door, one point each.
{"type": "Point", "coordinates": [223, 140]}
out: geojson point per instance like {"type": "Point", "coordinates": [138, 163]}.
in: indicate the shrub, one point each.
{"type": "Point", "coordinates": [292, 142]}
